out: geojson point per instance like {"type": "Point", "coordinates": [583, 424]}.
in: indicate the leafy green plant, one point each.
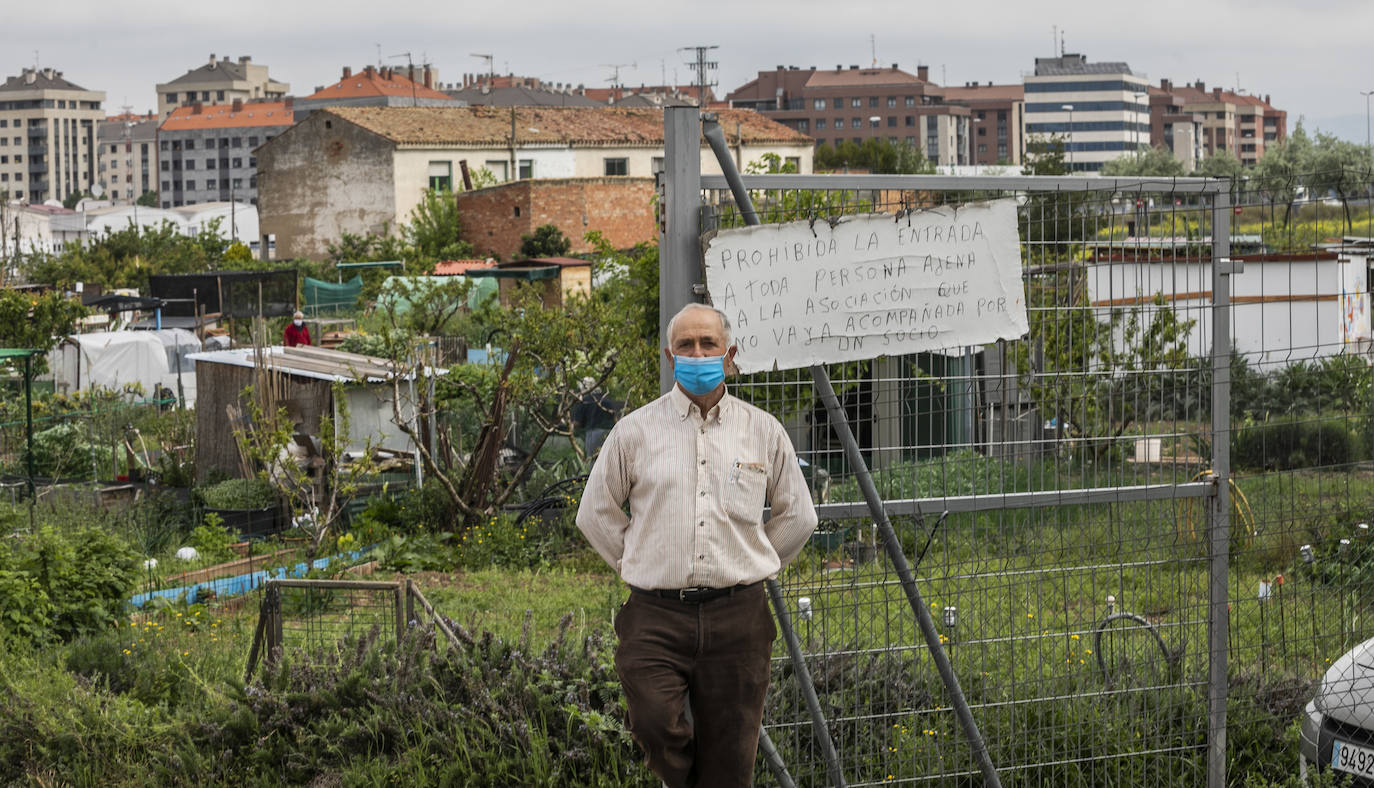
{"type": "Point", "coordinates": [239, 494]}
{"type": "Point", "coordinates": [212, 540]}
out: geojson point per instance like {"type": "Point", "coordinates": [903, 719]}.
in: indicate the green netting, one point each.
{"type": "Point", "coordinates": [329, 297]}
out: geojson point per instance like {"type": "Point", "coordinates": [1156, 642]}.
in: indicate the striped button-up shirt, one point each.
{"type": "Point", "coordinates": [697, 485]}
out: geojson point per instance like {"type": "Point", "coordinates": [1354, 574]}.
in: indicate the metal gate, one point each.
{"type": "Point", "coordinates": [1083, 553]}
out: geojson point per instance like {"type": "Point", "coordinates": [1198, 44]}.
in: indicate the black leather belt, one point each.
{"type": "Point", "coordinates": [692, 596]}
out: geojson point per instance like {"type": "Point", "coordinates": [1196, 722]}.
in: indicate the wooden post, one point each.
{"type": "Point", "coordinates": [400, 612]}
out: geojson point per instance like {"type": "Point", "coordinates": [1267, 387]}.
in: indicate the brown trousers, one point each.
{"type": "Point", "coordinates": [717, 654]}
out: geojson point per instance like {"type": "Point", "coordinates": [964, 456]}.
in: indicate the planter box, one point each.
{"type": "Point", "coordinates": [230, 569]}
{"type": "Point", "coordinates": [248, 523]}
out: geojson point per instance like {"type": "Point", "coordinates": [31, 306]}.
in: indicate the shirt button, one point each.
{"type": "Point", "coordinates": [703, 462]}
{"type": "Point", "coordinates": [702, 430]}
{"type": "Point", "coordinates": [702, 493]}
{"type": "Point", "coordinates": [701, 556]}
{"type": "Point", "coordinates": [702, 523]}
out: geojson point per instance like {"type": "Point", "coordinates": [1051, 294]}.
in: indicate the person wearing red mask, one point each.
{"type": "Point", "coordinates": [296, 333]}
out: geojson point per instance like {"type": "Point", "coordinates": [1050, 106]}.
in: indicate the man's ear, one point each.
{"type": "Point", "coordinates": [730, 368]}
{"type": "Point", "coordinates": [668, 354]}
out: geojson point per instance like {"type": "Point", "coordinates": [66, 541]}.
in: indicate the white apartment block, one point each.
{"type": "Point", "coordinates": [127, 151]}
{"type": "Point", "coordinates": [47, 136]}
{"type": "Point", "coordinates": [1100, 110]}
{"type": "Point", "coordinates": [219, 82]}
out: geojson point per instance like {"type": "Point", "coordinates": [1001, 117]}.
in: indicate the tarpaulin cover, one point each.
{"type": "Point", "coordinates": [325, 297]}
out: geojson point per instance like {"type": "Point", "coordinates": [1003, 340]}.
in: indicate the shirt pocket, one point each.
{"type": "Point", "coordinates": [746, 488]}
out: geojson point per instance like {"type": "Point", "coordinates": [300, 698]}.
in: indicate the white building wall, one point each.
{"type": "Point", "coordinates": [1046, 117]}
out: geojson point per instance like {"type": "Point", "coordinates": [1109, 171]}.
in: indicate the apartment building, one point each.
{"type": "Point", "coordinates": [1173, 128]}
{"type": "Point", "coordinates": [1241, 124]}
{"type": "Point", "coordinates": [206, 153]}
{"type": "Point", "coordinates": [855, 104]}
{"type": "Point", "coordinates": [127, 156]}
{"type": "Point", "coordinates": [1101, 110]}
{"type": "Point", "coordinates": [47, 136]}
{"type": "Point", "coordinates": [997, 120]}
{"type": "Point", "coordinates": [217, 82]}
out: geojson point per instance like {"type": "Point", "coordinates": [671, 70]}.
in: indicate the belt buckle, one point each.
{"type": "Point", "coordinates": [694, 590]}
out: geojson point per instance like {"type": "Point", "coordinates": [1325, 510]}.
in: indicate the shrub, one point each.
{"type": "Point", "coordinates": [1290, 443]}
{"type": "Point", "coordinates": [65, 585]}
{"type": "Point", "coordinates": [239, 494]}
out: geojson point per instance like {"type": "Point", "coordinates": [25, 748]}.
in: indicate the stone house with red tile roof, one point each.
{"type": "Point", "coordinates": [364, 169]}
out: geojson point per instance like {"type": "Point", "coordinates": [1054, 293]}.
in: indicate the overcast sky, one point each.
{"type": "Point", "coordinates": [1310, 58]}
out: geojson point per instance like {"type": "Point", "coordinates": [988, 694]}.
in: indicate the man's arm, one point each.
{"type": "Point", "coordinates": [793, 515]}
{"type": "Point", "coordinates": [599, 515]}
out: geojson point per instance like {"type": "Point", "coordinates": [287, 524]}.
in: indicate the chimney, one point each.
{"type": "Point", "coordinates": [213, 62]}
{"type": "Point", "coordinates": [30, 76]}
{"type": "Point", "coordinates": [839, 67]}
{"type": "Point", "coordinates": [1165, 85]}
{"type": "Point", "coordinates": [196, 108]}
{"type": "Point", "coordinates": [237, 105]}
{"type": "Point", "coordinates": [1266, 98]}
{"type": "Point", "coordinates": [1216, 93]}
{"type": "Point", "coordinates": [369, 71]}
{"type": "Point", "coordinates": [1201, 86]}
{"type": "Point", "coordinates": [853, 68]}
{"type": "Point", "coordinates": [923, 73]}
{"type": "Point", "coordinates": [347, 72]}
{"type": "Point", "coordinates": [245, 60]}
{"type": "Point", "coordinates": [430, 75]}
{"type": "Point", "coordinates": [894, 66]}
{"type": "Point", "coordinates": [289, 103]}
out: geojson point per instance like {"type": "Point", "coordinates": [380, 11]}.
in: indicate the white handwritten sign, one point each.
{"type": "Point", "coordinates": [804, 293]}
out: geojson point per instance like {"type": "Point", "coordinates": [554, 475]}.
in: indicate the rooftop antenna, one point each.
{"type": "Point", "coordinates": [410, 74]}
{"type": "Point", "coordinates": [1061, 43]}
{"type": "Point", "coordinates": [491, 74]}
{"type": "Point", "coordinates": [379, 57]}
{"type": "Point", "coordinates": [615, 71]}
{"type": "Point", "coordinates": [873, 48]}
{"type": "Point", "coordinates": [702, 66]}
{"type": "Point", "coordinates": [1054, 38]}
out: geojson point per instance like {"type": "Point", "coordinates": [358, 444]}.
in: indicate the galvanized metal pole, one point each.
{"type": "Point", "coordinates": [840, 423]}
{"type": "Point", "coordinates": [808, 687]}
{"type": "Point", "coordinates": [1219, 540]}
{"type": "Point", "coordinates": [679, 248]}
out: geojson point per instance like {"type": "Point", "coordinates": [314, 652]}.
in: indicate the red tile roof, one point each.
{"type": "Point", "coordinates": [371, 82]}
{"type": "Point", "coordinates": [223, 116]}
{"type": "Point", "coordinates": [641, 126]}
{"type": "Point", "coordinates": [459, 267]}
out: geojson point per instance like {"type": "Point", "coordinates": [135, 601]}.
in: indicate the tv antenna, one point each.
{"type": "Point", "coordinates": [615, 71]}
{"type": "Point", "coordinates": [410, 74]}
{"type": "Point", "coordinates": [491, 73]}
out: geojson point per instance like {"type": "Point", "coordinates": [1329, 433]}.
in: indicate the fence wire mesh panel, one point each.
{"type": "Point", "coordinates": [1071, 570]}
{"type": "Point", "coordinates": [310, 617]}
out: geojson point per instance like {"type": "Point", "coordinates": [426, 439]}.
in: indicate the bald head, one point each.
{"type": "Point", "coordinates": [700, 317]}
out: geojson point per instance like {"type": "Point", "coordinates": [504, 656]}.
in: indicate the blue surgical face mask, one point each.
{"type": "Point", "coordinates": [699, 376]}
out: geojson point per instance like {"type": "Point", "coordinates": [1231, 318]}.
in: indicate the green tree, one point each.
{"type": "Point", "coordinates": [1146, 162]}
{"type": "Point", "coordinates": [1053, 220]}
{"type": "Point", "coordinates": [1045, 155]}
{"type": "Point", "coordinates": [147, 199]}
{"type": "Point", "coordinates": [37, 322]}
{"type": "Point", "coordinates": [1279, 172]}
{"type": "Point", "coordinates": [126, 258]}
{"type": "Point", "coordinates": [1338, 167]}
{"type": "Point", "coordinates": [546, 241]}
{"type": "Point", "coordinates": [874, 155]}
{"type": "Point", "coordinates": [435, 230]}
{"type": "Point", "coordinates": [69, 202]}
{"type": "Point", "coordinates": [1222, 164]}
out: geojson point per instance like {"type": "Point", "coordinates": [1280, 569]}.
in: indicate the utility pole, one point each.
{"type": "Point", "coordinates": [701, 66]}
{"type": "Point", "coordinates": [1367, 94]}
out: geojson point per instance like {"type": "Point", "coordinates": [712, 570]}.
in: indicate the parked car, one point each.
{"type": "Point", "coordinates": [1338, 727]}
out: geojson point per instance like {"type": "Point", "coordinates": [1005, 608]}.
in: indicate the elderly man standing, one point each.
{"type": "Point", "coordinates": [696, 466]}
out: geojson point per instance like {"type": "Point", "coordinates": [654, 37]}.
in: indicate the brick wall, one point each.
{"type": "Point", "coordinates": [494, 218]}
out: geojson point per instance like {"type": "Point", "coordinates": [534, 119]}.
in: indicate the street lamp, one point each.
{"type": "Point", "coordinates": [1366, 94]}
{"type": "Point", "coordinates": [1069, 107]}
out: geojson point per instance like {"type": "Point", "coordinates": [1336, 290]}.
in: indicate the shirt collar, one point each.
{"type": "Point", "coordinates": [683, 405]}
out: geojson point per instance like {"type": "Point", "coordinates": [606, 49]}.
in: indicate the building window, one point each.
{"type": "Point", "coordinates": [252, 162]}
{"type": "Point", "coordinates": [982, 132]}
{"type": "Point", "coordinates": [498, 168]}
{"type": "Point", "coordinates": [856, 102]}
{"type": "Point", "coordinates": [171, 98]}
{"type": "Point", "coordinates": [219, 95]}
{"type": "Point", "coordinates": [820, 124]}
{"type": "Point", "coordinates": [211, 184]}
{"type": "Point", "coordinates": [524, 169]}
{"type": "Point", "coordinates": [873, 122]}
{"type": "Point", "coordinates": [856, 123]}
{"type": "Point", "coordinates": [210, 164]}
{"type": "Point", "coordinates": [237, 183]}
{"type": "Point", "coordinates": [617, 167]}
{"type": "Point", "coordinates": [190, 144]}
{"type": "Point", "coordinates": [166, 186]}
{"type": "Point", "coordinates": [892, 121]}
{"type": "Point", "coordinates": [818, 103]}
{"type": "Point", "coordinates": [253, 141]}
{"type": "Point", "coordinates": [237, 142]}
{"type": "Point", "coordinates": [891, 102]}
{"type": "Point", "coordinates": [910, 101]}
{"type": "Point", "coordinates": [872, 101]}
{"type": "Point", "coordinates": [163, 145]}
{"type": "Point", "coordinates": [804, 125]}
{"type": "Point", "coordinates": [237, 163]}
{"type": "Point", "coordinates": [190, 164]}
{"type": "Point", "coordinates": [190, 185]}
{"type": "Point", "coordinates": [982, 148]}
{"type": "Point", "coordinates": [441, 176]}
{"type": "Point", "coordinates": [837, 103]}
{"type": "Point", "coordinates": [794, 162]}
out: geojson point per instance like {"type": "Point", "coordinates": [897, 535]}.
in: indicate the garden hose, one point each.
{"type": "Point", "coordinates": [1106, 622]}
{"type": "Point", "coordinates": [1239, 504]}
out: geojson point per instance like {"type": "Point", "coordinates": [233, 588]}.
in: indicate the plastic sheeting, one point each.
{"type": "Point", "coordinates": [323, 297]}
{"type": "Point", "coordinates": [113, 359]}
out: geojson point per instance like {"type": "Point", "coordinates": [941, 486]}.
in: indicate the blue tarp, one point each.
{"type": "Point", "coordinates": [242, 584]}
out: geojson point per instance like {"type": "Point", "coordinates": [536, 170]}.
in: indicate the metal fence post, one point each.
{"type": "Point", "coordinates": [840, 423]}
{"type": "Point", "coordinates": [679, 240]}
{"type": "Point", "coordinates": [1219, 540]}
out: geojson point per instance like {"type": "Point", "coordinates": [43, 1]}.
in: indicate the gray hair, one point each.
{"type": "Point", "coordinates": [695, 307]}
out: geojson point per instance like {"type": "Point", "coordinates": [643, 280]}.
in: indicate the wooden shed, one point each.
{"type": "Point", "coordinates": [308, 378]}
{"type": "Point", "coordinates": [560, 277]}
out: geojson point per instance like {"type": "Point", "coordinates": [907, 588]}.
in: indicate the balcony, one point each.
{"type": "Point", "coordinates": [38, 149]}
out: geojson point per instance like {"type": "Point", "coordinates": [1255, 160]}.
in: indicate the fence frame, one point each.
{"type": "Point", "coordinates": [682, 217]}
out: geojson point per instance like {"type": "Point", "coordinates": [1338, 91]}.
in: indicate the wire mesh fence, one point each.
{"type": "Point", "coordinates": [1076, 573]}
